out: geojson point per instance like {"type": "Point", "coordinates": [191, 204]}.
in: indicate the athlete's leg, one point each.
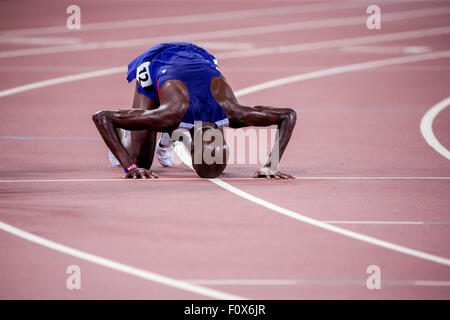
{"type": "Point", "coordinates": [260, 116]}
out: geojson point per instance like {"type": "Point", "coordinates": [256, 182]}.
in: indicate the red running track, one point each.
{"type": "Point", "coordinates": [56, 183]}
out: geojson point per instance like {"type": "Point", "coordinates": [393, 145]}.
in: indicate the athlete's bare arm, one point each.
{"type": "Point", "coordinates": [260, 116]}
{"type": "Point", "coordinates": [174, 104]}
{"type": "Point", "coordinates": [143, 142]}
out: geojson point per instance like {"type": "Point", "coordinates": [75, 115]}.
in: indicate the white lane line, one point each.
{"type": "Point", "coordinates": [59, 80]}
{"type": "Point", "coordinates": [372, 178]}
{"type": "Point", "coordinates": [247, 178]}
{"type": "Point", "coordinates": [387, 222]}
{"type": "Point", "coordinates": [227, 33]}
{"type": "Point", "coordinates": [308, 282]}
{"type": "Point", "coordinates": [28, 138]}
{"type": "Point", "coordinates": [113, 180]}
{"type": "Point", "coordinates": [386, 49]}
{"type": "Point", "coordinates": [215, 45]}
{"type": "Point", "coordinates": [45, 68]}
{"type": "Point", "coordinates": [182, 285]}
{"type": "Point", "coordinates": [430, 283]}
{"type": "Point", "coordinates": [332, 228]}
{"type": "Point", "coordinates": [426, 127]}
{"type": "Point", "coordinates": [343, 69]}
{"type": "Point", "coordinates": [193, 18]}
{"type": "Point", "coordinates": [300, 47]}
{"type": "Point", "coordinates": [244, 53]}
{"type": "Point", "coordinates": [230, 178]}
{"type": "Point", "coordinates": [39, 40]}
{"type": "Point", "coordinates": [320, 224]}
{"type": "Point", "coordinates": [186, 158]}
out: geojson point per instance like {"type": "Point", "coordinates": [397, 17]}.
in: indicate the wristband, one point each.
{"type": "Point", "coordinates": [130, 167]}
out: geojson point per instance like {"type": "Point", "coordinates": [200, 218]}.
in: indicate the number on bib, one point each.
{"type": "Point", "coordinates": [143, 75]}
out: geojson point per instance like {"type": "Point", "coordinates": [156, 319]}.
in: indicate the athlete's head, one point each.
{"type": "Point", "coordinates": [208, 149]}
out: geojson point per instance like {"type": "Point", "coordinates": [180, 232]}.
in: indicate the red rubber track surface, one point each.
{"type": "Point", "coordinates": [356, 124]}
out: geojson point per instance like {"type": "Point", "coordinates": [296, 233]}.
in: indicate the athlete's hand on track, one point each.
{"type": "Point", "coordinates": [268, 173]}
{"type": "Point", "coordinates": [141, 173]}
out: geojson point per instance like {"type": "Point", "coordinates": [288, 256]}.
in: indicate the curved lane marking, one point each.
{"type": "Point", "coordinates": [118, 266]}
{"type": "Point", "coordinates": [426, 127]}
{"type": "Point", "coordinates": [186, 158]}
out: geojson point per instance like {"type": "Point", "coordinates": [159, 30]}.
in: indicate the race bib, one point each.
{"type": "Point", "coordinates": [143, 75]}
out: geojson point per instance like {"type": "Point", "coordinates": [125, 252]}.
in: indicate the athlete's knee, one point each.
{"type": "Point", "coordinates": [172, 117]}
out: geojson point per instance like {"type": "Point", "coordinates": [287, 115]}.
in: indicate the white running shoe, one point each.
{"type": "Point", "coordinates": [164, 153]}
